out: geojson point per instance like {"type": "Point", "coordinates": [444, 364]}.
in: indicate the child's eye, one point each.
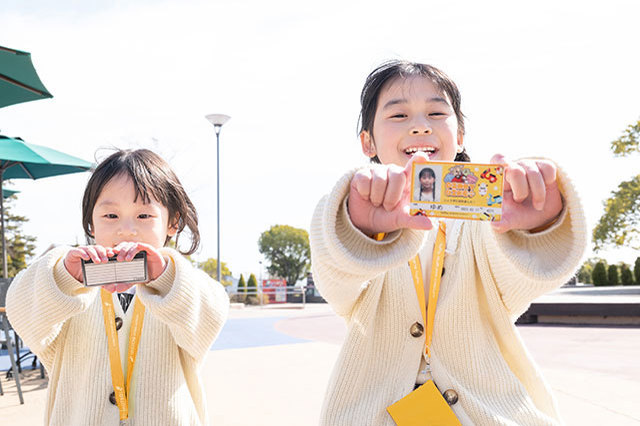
{"type": "Point", "coordinates": [399, 115]}
{"type": "Point", "coordinates": [144, 216]}
{"type": "Point", "coordinates": [111, 216]}
{"type": "Point", "coordinates": [437, 114]}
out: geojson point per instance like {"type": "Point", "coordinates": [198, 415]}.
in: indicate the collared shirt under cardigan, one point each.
{"type": "Point", "coordinates": [490, 280]}
{"type": "Point", "coordinates": [61, 322]}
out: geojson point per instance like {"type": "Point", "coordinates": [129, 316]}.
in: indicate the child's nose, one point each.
{"type": "Point", "coordinates": [420, 125]}
{"type": "Point", "coordinates": [127, 228]}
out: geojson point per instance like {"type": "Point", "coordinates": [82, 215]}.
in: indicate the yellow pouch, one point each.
{"type": "Point", "coordinates": [424, 406]}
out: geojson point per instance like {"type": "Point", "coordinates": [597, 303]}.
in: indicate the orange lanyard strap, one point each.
{"type": "Point", "coordinates": [429, 313]}
{"type": "Point", "coordinates": [117, 377]}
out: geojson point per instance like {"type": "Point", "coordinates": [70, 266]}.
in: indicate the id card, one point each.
{"type": "Point", "coordinates": [423, 406]}
{"type": "Point", "coordinates": [457, 190]}
{"type": "Point", "coordinates": [114, 272]}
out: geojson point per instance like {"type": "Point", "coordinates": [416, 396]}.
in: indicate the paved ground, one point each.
{"type": "Point", "coordinates": [270, 366]}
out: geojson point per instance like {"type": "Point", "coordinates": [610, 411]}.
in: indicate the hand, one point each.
{"type": "Point", "coordinates": [379, 198]}
{"type": "Point", "coordinates": [531, 196]}
{"type": "Point", "coordinates": [74, 257]}
{"type": "Point", "coordinates": [126, 252]}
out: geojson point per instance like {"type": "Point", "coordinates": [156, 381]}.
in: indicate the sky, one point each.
{"type": "Point", "coordinates": [550, 79]}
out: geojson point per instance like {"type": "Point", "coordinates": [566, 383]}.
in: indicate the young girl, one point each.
{"type": "Point", "coordinates": [363, 239]}
{"type": "Point", "coordinates": [427, 180]}
{"type": "Point", "coordinates": [133, 202]}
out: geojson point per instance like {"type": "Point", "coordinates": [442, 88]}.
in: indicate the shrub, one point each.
{"type": "Point", "coordinates": [626, 277]}
{"type": "Point", "coordinates": [612, 275]}
{"type": "Point", "coordinates": [636, 270]}
{"type": "Point", "coordinates": [599, 275]}
{"type": "Point", "coordinates": [242, 286]}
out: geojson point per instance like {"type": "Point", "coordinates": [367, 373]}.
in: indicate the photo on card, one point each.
{"type": "Point", "coordinates": [457, 190]}
{"type": "Point", "coordinates": [426, 187]}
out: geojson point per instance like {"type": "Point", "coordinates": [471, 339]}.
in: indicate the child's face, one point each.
{"type": "Point", "coordinates": [427, 182]}
{"type": "Point", "coordinates": [117, 218]}
{"type": "Point", "coordinates": [412, 115]}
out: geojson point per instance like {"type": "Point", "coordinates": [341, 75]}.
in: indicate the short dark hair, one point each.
{"type": "Point", "coordinates": [392, 70]}
{"type": "Point", "coordinates": [152, 177]}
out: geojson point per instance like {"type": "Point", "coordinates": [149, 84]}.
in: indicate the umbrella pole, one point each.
{"type": "Point", "coordinates": [4, 243]}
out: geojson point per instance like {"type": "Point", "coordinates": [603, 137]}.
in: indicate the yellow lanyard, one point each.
{"type": "Point", "coordinates": [117, 377]}
{"type": "Point", "coordinates": [434, 286]}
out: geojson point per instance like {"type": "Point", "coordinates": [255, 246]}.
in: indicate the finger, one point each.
{"type": "Point", "coordinates": [109, 287]}
{"type": "Point", "coordinates": [516, 176]}
{"type": "Point", "coordinates": [500, 227]}
{"type": "Point", "coordinates": [78, 253]}
{"type": "Point", "coordinates": [361, 182]}
{"type": "Point", "coordinates": [91, 251]}
{"type": "Point", "coordinates": [123, 251]}
{"type": "Point", "coordinates": [395, 187]}
{"type": "Point", "coordinates": [498, 159]}
{"type": "Point", "coordinates": [122, 287]}
{"type": "Point", "coordinates": [414, 222]}
{"type": "Point", "coordinates": [548, 170]}
{"type": "Point", "coordinates": [537, 188]}
{"type": "Point", "coordinates": [102, 252]}
{"type": "Point", "coordinates": [378, 185]}
{"type": "Point", "coordinates": [418, 157]}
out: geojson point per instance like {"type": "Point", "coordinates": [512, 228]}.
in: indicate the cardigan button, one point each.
{"type": "Point", "coordinates": [112, 398]}
{"type": "Point", "coordinates": [450, 396]}
{"type": "Point", "coordinates": [118, 323]}
{"type": "Point", "coordinates": [416, 329]}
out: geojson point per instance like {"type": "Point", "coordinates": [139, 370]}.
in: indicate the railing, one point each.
{"type": "Point", "coordinates": [259, 293]}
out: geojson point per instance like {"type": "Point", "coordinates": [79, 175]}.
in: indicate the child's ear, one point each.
{"type": "Point", "coordinates": [460, 142]}
{"type": "Point", "coordinates": [368, 147]}
{"type": "Point", "coordinates": [173, 226]}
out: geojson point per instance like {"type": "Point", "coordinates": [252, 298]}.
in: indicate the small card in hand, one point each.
{"type": "Point", "coordinates": [457, 190]}
{"type": "Point", "coordinates": [114, 272]}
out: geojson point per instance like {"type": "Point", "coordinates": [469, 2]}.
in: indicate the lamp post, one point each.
{"type": "Point", "coordinates": [218, 120]}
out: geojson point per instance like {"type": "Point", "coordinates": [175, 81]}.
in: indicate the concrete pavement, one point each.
{"type": "Point", "coordinates": [270, 366]}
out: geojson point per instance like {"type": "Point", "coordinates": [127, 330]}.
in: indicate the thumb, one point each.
{"type": "Point", "coordinates": [498, 159]}
{"type": "Point", "coordinates": [418, 157]}
{"type": "Point", "coordinates": [415, 222]}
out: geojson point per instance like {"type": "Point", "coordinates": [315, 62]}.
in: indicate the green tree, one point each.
{"type": "Point", "coordinates": [618, 225]}
{"type": "Point", "coordinates": [287, 250]}
{"type": "Point", "coordinates": [242, 286]}
{"type": "Point", "coordinates": [210, 266]}
{"type": "Point", "coordinates": [20, 247]}
{"type": "Point", "coordinates": [584, 274]}
{"type": "Point", "coordinates": [626, 277]}
{"type": "Point", "coordinates": [613, 276]}
{"type": "Point", "coordinates": [599, 275]}
{"type": "Point", "coordinates": [636, 270]}
{"type": "Point", "coordinates": [252, 285]}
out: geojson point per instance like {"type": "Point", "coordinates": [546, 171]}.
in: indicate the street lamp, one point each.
{"type": "Point", "coordinates": [218, 120]}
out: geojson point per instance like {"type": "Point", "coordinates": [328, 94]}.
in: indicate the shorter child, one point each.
{"type": "Point", "coordinates": [133, 202]}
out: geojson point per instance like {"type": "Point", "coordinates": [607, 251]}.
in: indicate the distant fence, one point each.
{"type": "Point", "coordinates": [260, 293]}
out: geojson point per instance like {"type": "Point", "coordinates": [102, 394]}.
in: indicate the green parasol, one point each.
{"type": "Point", "coordinates": [19, 81]}
{"type": "Point", "coordinates": [22, 160]}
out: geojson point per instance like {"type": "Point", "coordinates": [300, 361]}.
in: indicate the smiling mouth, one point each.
{"type": "Point", "coordinates": [429, 150]}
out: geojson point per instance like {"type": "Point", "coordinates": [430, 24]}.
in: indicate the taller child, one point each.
{"type": "Point", "coordinates": [491, 272]}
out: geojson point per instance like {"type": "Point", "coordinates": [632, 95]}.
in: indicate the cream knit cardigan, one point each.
{"type": "Point", "coordinates": [61, 322]}
{"type": "Point", "coordinates": [490, 280]}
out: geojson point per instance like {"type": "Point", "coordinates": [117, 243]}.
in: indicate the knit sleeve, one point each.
{"type": "Point", "coordinates": [527, 265]}
{"type": "Point", "coordinates": [42, 297]}
{"type": "Point", "coordinates": [343, 259]}
{"type": "Point", "coordinates": [189, 302]}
